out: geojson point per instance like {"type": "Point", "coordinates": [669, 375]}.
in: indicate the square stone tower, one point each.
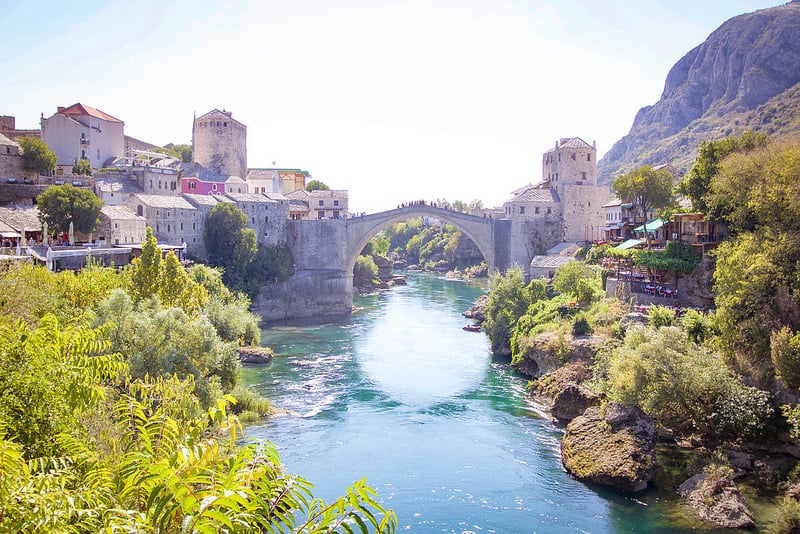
{"type": "Point", "coordinates": [219, 143]}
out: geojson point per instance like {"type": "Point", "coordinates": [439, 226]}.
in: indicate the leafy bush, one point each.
{"type": "Point", "coordinates": [661, 316]}
{"type": "Point", "coordinates": [581, 326]}
{"type": "Point", "coordinates": [676, 256]}
{"type": "Point", "coordinates": [682, 385]}
{"type": "Point", "coordinates": [785, 355]}
{"type": "Point", "coordinates": [579, 280]}
{"type": "Point", "coordinates": [787, 517]}
{"type": "Point", "coordinates": [365, 270]}
{"type": "Point", "coordinates": [698, 325]}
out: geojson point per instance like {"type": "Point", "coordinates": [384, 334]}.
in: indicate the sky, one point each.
{"type": "Point", "coordinates": [392, 100]}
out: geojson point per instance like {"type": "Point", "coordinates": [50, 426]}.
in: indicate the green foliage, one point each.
{"type": "Point", "coordinates": [676, 256]}
{"type": "Point", "coordinates": [229, 243]}
{"type": "Point", "coordinates": [233, 320]}
{"type": "Point", "coordinates": [172, 470]}
{"type": "Point", "coordinates": [82, 168]}
{"type": "Point", "coordinates": [581, 325]}
{"type": "Point", "coordinates": [710, 155]}
{"type": "Point", "coordinates": [660, 316]}
{"type": "Point", "coordinates": [271, 264]}
{"type": "Point", "coordinates": [378, 245]}
{"type": "Point", "coordinates": [785, 355]}
{"type": "Point", "coordinates": [316, 185]}
{"type": "Point", "coordinates": [364, 271]}
{"type": "Point", "coordinates": [698, 326]}
{"type": "Point", "coordinates": [646, 189]}
{"type": "Point", "coordinates": [182, 151]}
{"type": "Point", "coordinates": [682, 385]}
{"type": "Point", "coordinates": [60, 205]}
{"type": "Point", "coordinates": [36, 155]}
{"type": "Point", "coordinates": [48, 375]}
{"type": "Point", "coordinates": [508, 301]}
{"type": "Point", "coordinates": [159, 341]}
{"type": "Point", "coordinates": [580, 280]}
{"type": "Point", "coordinates": [597, 253]}
{"type": "Point", "coordinates": [787, 517]}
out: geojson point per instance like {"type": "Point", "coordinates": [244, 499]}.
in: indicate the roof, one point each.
{"type": "Point", "coordinates": [163, 201]}
{"type": "Point", "coordinates": [296, 205]}
{"type": "Point", "coordinates": [21, 218]}
{"type": "Point", "coordinates": [535, 193]}
{"type": "Point", "coordinates": [5, 141]}
{"type": "Point", "coordinates": [613, 203]}
{"type": "Point", "coordinates": [120, 213]}
{"type": "Point", "coordinates": [570, 142]}
{"type": "Point", "coordinates": [225, 115]}
{"type": "Point", "coordinates": [202, 200]}
{"type": "Point", "coordinates": [630, 243]}
{"type": "Point", "coordinates": [328, 193]}
{"type": "Point", "coordinates": [195, 170]}
{"type": "Point", "coordinates": [249, 197]}
{"type": "Point", "coordinates": [121, 185]}
{"type": "Point", "coordinates": [77, 110]}
{"type": "Point", "coordinates": [262, 174]}
{"type": "Point", "coordinates": [275, 196]}
{"type": "Point", "coordinates": [652, 226]}
{"type": "Point", "coordinates": [550, 262]}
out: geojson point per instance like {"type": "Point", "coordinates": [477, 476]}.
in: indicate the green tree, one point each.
{"type": "Point", "coordinates": [508, 301]}
{"type": "Point", "coordinates": [181, 151]}
{"type": "Point", "coordinates": [60, 205]}
{"type": "Point", "coordinates": [83, 167]}
{"type": "Point", "coordinates": [145, 271]}
{"type": "Point", "coordinates": [579, 280]}
{"type": "Point", "coordinates": [229, 243]}
{"type": "Point", "coordinates": [36, 155]}
{"type": "Point", "coordinates": [316, 185]}
{"type": "Point", "coordinates": [710, 155]}
{"type": "Point", "coordinates": [647, 189]}
{"type": "Point", "coordinates": [476, 204]}
{"type": "Point", "coordinates": [364, 271]}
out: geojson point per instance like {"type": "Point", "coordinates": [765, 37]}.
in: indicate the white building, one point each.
{"type": "Point", "coordinates": [83, 132]}
{"type": "Point", "coordinates": [119, 225]}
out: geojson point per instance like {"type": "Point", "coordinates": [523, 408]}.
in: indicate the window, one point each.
{"type": "Point", "coordinates": [253, 219]}
{"type": "Point", "coordinates": [98, 153]}
{"type": "Point", "coordinates": [583, 176]}
{"type": "Point", "coordinates": [266, 219]}
{"type": "Point", "coordinates": [559, 156]}
{"type": "Point", "coordinates": [169, 228]}
{"type": "Point", "coordinates": [159, 184]}
{"type": "Point", "coordinates": [522, 210]}
{"type": "Point", "coordinates": [181, 226]}
{"type": "Point", "coordinates": [193, 226]}
{"type": "Point", "coordinates": [588, 157]}
{"type": "Point", "coordinates": [116, 225]}
{"type": "Point", "coordinates": [335, 202]}
{"type": "Point", "coordinates": [536, 210]}
{"type": "Point", "coordinates": [548, 211]}
{"type": "Point", "coordinates": [225, 124]}
{"type": "Point", "coordinates": [157, 228]}
{"type": "Point", "coordinates": [139, 210]}
{"type": "Point", "coordinates": [192, 186]}
{"type": "Point", "coordinates": [213, 187]}
{"type": "Point", "coordinates": [573, 156]}
{"type": "Point", "coordinates": [321, 203]}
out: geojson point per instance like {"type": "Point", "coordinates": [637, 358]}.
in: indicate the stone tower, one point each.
{"type": "Point", "coordinates": [219, 143]}
{"type": "Point", "coordinates": [571, 170]}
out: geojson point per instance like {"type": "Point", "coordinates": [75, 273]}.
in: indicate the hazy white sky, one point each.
{"type": "Point", "coordinates": [392, 100]}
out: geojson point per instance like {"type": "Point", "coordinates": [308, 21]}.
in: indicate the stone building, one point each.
{"type": "Point", "coordinates": [119, 225]}
{"type": "Point", "coordinates": [533, 202]}
{"type": "Point", "coordinates": [173, 219]}
{"type": "Point", "coordinates": [8, 127]}
{"type": "Point", "coordinates": [219, 143]}
{"type": "Point", "coordinates": [282, 181]}
{"type": "Point", "coordinates": [83, 132]}
{"type": "Point", "coordinates": [11, 161]}
{"type": "Point", "coordinates": [319, 204]}
{"type": "Point", "coordinates": [265, 215]}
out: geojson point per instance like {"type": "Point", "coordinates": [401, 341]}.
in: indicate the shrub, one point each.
{"type": "Point", "coordinates": [660, 316]}
{"type": "Point", "coordinates": [697, 325]}
{"type": "Point", "coordinates": [787, 517]}
{"type": "Point", "coordinates": [581, 326]}
{"type": "Point", "coordinates": [785, 355]}
{"type": "Point", "coordinates": [365, 270]}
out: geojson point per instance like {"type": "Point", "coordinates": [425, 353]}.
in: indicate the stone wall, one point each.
{"type": "Point", "coordinates": [220, 144]}
{"type": "Point", "coordinates": [583, 213]}
{"type": "Point", "coordinates": [309, 293]}
{"type": "Point", "coordinates": [531, 238]}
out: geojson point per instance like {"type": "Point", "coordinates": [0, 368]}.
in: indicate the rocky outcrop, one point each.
{"type": "Point", "coordinates": [717, 500]}
{"type": "Point", "coordinates": [572, 401]}
{"type": "Point", "coordinates": [749, 61]}
{"type": "Point", "coordinates": [547, 351]}
{"type": "Point", "coordinates": [612, 445]}
{"type": "Point", "coordinates": [476, 310]}
{"type": "Point", "coordinates": [254, 354]}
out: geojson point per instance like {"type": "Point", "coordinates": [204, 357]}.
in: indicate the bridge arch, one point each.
{"type": "Point", "coordinates": [362, 229]}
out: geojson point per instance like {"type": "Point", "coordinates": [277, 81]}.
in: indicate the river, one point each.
{"type": "Point", "coordinates": [400, 394]}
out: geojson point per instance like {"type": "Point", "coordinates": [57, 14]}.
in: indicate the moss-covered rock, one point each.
{"type": "Point", "coordinates": [612, 445]}
{"type": "Point", "coordinates": [717, 500]}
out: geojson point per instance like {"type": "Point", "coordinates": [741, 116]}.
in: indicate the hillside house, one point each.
{"type": "Point", "coordinates": [119, 225]}
{"type": "Point", "coordinates": [82, 132]}
{"type": "Point", "coordinates": [318, 204]}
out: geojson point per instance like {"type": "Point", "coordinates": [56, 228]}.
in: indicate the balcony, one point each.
{"type": "Point", "coordinates": [84, 141]}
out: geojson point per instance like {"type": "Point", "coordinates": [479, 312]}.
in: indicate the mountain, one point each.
{"type": "Point", "coordinates": [745, 76]}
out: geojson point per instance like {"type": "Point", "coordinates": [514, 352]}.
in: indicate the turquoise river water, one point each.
{"type": "Point", "coordinates": [400, 394]}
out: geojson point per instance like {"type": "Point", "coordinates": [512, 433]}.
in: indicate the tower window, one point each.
{"type": "Point", "coordinates": [588, 157]}
{"type": "Point", "coordinates": [572, 156]}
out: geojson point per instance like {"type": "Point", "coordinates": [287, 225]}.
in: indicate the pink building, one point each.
{"type": "Point", "coordinates": [195, 180]}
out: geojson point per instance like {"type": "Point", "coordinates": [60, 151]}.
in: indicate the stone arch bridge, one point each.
{"type": "Point", "coordinates": [325, 252]}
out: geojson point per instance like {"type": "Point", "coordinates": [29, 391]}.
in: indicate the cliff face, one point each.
{"type": "Point", "coordinates": [746, 75]}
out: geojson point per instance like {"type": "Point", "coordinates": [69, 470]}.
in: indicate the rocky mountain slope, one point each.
{"type": "Point", "coordinates": [745, 76]}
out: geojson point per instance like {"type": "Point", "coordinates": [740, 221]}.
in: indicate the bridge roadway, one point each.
{"type": "Point", "coordinates": [325, 252]}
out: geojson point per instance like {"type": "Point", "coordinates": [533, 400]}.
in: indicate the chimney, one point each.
{"type": "Point", "coordinates": [61, 109]}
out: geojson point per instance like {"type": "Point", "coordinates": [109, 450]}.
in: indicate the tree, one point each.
{"type": "Point", "coordinates": [36, 155]}
{"type": "Point", "coordinates": [316, 185]}
{"type": "Point", "coordinates": [645, 188]}
{"type": "Point", "coordinates": [476, 204]}
{"type": "Point", "coordinates": [229, 243]}
{"type": "Point", "coordinates": [146, 269]}
{"type": "Point", "coordinates": [706, 166]}
{"type": "Point", "coordinates": [181, 151]}
{"type": "Point", "coordinates": [579, 280]}
{"type": "Point", "coordinates": [60, 205]}
{"type": "Point", "coordinates": [83, 167]}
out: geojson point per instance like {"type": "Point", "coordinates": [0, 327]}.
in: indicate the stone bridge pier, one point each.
{"type": "Point", "coordinates": [325, 253]}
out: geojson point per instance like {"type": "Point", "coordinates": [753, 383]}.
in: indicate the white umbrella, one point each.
{"type": "Point", "coordinates": [49, 259]}
{"type": "Point", "coordinates": [44, 235]}
{"type": "Point", "coordinates": [71, 233]}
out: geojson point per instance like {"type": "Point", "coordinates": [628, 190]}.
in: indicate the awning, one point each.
{"type": "Point", "coordinates": [10, 234]}
{"type": "Point", "coordinates": [630, 243]}
{"type": "Point", "coordinates": [652, 226]}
